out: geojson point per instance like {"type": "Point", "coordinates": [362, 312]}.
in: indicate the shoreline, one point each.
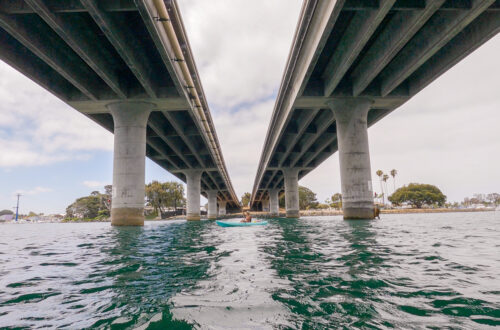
{"type": "Point", "coordinates": [306, 213]}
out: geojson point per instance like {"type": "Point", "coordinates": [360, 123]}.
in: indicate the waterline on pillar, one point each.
{"type": "Point", "coordinates": [127, 216]}
{"type": "Point", "coordinates": [193, 217]}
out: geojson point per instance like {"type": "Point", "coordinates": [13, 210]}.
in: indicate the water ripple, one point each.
{"type": "Point", "coordinates": [405, 271]}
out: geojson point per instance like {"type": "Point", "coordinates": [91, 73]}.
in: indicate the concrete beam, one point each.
{"type": "Point", "coordinates": [51, 54]}
{"type": "Point", "coordinates": [473, 36]}
{"type": "Point", "coordinates": [13, 7]}
{"type": "Point", "coordinates": [180, 131]}
{"type": "Point", "coordinates": [401, 28]}
{"type": "Point", "coordinates": [304, 123]}
{"type": "Point", "coordinates": [133, 56]}
{"type": "Point", "coordinates": [83, 47]}
{"type": "Point", "coordinates": [359, 31]}
{"type": "Point", "coordinates": [35, 69]}
{"type": "Point", "coordinates": [438, 31]}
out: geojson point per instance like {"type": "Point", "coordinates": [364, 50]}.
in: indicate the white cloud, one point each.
{"type": "Point", "coordinates": [240, 46]}
{"type": "Point", "coordinates": [36, 128]}
{"type": "Point", "coordinates": [95, 184]}
{"type": "Point", "coordinates": [33, 191]}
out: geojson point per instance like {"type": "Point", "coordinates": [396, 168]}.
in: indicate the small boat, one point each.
{"type": "Point", "coordinates": [240, 224]}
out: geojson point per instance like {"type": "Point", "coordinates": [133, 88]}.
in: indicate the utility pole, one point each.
{"type": "Point", "coordinates": [17, 207]}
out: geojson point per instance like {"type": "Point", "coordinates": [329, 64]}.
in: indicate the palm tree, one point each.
{"type": "Point", "coordinates": [385, 178]}
{"type": "Point", "coordinates": [394, 172]}
{"type": "Point", "coordinates": [380, 173]}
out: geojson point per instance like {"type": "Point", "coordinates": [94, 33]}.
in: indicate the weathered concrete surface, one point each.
{"type": "Point", "coordinates": [354, 156]}
{"type": "Point", "coordinates": [274, 208]}
{"type": "Point", "coordinates": [212, 204]}
{"type": "Point", "coordinates": [222, 207]}
{"type": "Point", "coordinates": [130, 119]}
{"type": "Point", "coordinates": [193, 194]}
{"type": "Point", "coordinates": [265, 205]}
{"type": "Point", "coordinates": [291, 192]}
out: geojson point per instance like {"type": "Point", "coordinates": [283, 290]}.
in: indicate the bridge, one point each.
{"type": "Point", "coordinates": [128, 66]}
{"type": "Point", "coordinates": [353, 62]}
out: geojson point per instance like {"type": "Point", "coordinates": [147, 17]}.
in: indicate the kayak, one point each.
{"type": "Point", "coordinates": [240, 224]}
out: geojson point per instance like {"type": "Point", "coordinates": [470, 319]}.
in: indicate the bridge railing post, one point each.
{"type": "Point", "coordinates": [354, 156]}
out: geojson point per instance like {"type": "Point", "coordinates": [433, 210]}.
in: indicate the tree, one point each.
{"type": "Point", "coordinates": [307, 198]}
{"type": "Point", "coordinates": [493, 198]}
{"type": "Point", "coordinates": [4, 212]}
{"type": "Point", "coordinates": [417, 195]}
{"type": "Point", "coordinates": [385, 177]}
{"type": "Point", "coordinates": [85, 207]}
{"type": "Point", "coordinates": [245, 199]}
{"type": "Point", "coordinates": [163, 195]}
{"type": "Point", "coordinates": [394, 172]}
{"type": "Point", "coordinates": [380, 174]}
{"type": "Point", "coordinates": [336, 201]}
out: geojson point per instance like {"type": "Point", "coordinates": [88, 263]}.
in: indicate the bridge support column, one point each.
{"type": "Point", "coordinates": [193, 178]}
{"type": "Point", "coordinates": [291, 192]}
{"type": "Point", "coordinates": [265, 205]}
{"type": "Point", "coordinates": [222, 207]}
{"type": "Point", "coordinates": [354, 156]}
{"type": "Point", "coordinates": [274, 207]}
{"type": "Point", "coordinates": [129, 158]}
{"type": "Point", "coordinates": [212, 204]}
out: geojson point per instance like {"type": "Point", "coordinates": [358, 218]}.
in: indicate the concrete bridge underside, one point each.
{"type": "Point", "coordinates": [128, 66]}
{"type": "Point", "coordinates": [353, 62]}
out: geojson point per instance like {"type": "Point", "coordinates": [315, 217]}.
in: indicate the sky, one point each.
{"type": "Point", "coordinates": [448, 135]}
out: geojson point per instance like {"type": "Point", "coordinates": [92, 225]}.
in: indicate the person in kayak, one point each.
{"type": "Point", "coordinates": [248, 217]}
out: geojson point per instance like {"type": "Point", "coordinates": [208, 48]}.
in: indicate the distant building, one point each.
{"type": "Point", "coordinates": [6, 217]}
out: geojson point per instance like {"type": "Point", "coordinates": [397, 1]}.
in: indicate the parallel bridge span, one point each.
{"type": "Point", "coordinates": [128, 66]}
{"type": "Point", "coordinates": [352, 62]}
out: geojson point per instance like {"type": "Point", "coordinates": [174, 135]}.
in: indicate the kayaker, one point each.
{"type": "Point", "coordinates": [248, 217]}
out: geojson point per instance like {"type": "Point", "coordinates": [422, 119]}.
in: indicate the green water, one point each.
{"type": "Point", "coordinates": [404, 271]}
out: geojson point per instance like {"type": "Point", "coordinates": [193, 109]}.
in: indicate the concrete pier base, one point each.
{"type": "Point", "coordinates": [193, 178]}
{"type": "Point", "coordinates": [212, 204]}
{"type": "Point", "coordinates": [354, 156]}
{"type": "Point", "coordinates": [274, 207]}
{"type": "Point", "coordinates": [265, 205]}
{"type": "Point", "coordinates": [291, 192]}
{"type": "Point", "coordinates": [130, 121]}
{"type": "Point", "coordinates": [222, 207]}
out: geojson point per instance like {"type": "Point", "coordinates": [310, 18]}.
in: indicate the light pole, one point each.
{"type": "Point", "coordinates": [17, 206]}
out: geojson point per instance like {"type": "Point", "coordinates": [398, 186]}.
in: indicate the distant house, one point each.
{"type": "Point", "coordinates": [6, 217]}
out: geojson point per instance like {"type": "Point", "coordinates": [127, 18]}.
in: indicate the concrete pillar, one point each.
{"type": "Point", "coordinates": [354, 156]}
{"type": "Point", "coordinates": [222, 207]}
{"type": "Point", "coordinates": [265, 205]}
{"type": "Point", "coordinates": [129, 157]}
{"type": "Point", "coordinates": [193, 178]}
{"type": "Point", "coordinates": [274, 207]}
{"type": "Point", "coordinates": [291, 192]}
{"type": "Point", "coordinates": [212, 204]}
